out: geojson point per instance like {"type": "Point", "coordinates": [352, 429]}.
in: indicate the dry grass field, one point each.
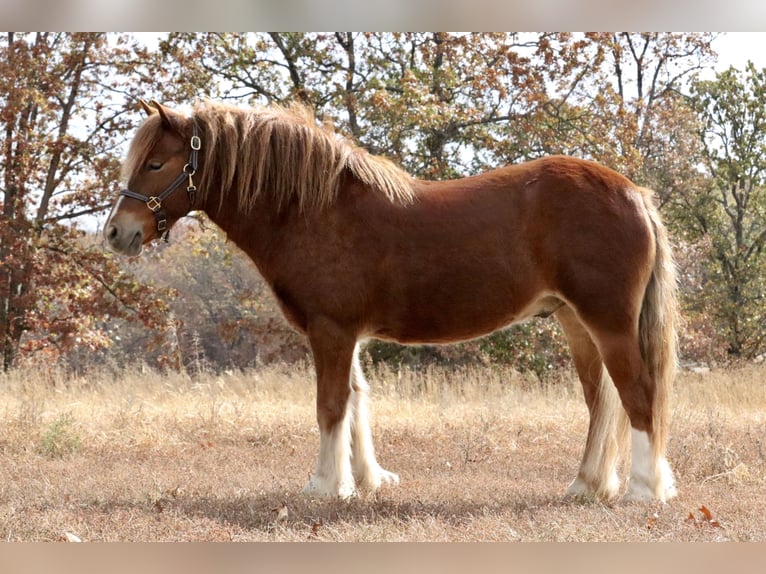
{"type": "Point", "coordinates": [483, 454]}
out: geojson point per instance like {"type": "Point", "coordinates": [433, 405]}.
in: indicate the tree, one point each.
{"type": "Point", "coordinates": [620, 102]}
{"type": "Point", "coordinates": [64, 100]}
{"type": "Point", "coordinates": [223, 315]}
{"type": "Point", "coordinates": [427, 100]}
{"type": "Point", "coordinates": [730, 210]}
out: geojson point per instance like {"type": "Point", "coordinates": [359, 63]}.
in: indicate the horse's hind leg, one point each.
{"type": "Point", "coordinates": [369, 475]}
{"type": "Point", "coordinates": [333, 351]}
{"type": "Point", "coordinates": [650, 474]}
{"type": "Point", "coordinates": [607, 431]}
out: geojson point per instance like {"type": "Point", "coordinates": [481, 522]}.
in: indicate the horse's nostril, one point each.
{"type": "Point", "coordinates": [111, 232]}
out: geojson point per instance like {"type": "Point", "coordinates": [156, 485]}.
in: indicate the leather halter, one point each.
{"type": "Point", "coordinates": [154, 202]}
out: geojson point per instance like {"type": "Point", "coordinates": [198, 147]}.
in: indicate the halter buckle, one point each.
{"type": "Point", "coordinates": [196, 143]}
{"type": "Point", "coordinates": [154, 204]}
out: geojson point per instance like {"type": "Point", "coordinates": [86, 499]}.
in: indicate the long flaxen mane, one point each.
{"type": "Point", "coordinates": [282, 151]}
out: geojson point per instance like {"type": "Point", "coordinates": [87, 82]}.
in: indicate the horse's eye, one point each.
{"type": "Point", "coordinates": [154, 165]}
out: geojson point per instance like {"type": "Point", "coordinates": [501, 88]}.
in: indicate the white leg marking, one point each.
{"type": "Point", "coordinates": [597, 477]}
{"type": "Point", "coordinates": [641, 484]}
{"type": "Point", "coordinates": [368, 473]}
{"type": "Point", "coordinates": [332, 476]}
{"type": "Point", "coordinates": [649, 478]}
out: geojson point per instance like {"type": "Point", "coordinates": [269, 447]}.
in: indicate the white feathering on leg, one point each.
{"type": "Point", "coordinates": [597, 477]}
{"type": "Point", "coordinates": [368, 473]}
{"type": "Point", "coordinates": [650, 478]}
{"type": "Point", "coordinates": [332, 476]}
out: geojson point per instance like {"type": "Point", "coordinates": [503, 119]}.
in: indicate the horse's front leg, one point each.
{"type": "Point", "coordinates": [369, 475]}
{"type": "Point", "coordinates": [333, 350]}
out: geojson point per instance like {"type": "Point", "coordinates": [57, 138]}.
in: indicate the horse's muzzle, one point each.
{"type": "Point", "coordinates": [123, 241]}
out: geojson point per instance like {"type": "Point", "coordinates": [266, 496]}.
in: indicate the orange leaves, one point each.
{"type": "Point", "coordinates": [703, 519]}
{"type": "Point", "coordinates": [706, 518]}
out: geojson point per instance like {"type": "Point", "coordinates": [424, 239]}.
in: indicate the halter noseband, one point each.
{"type": "Point", "coordinates": [154, 202]}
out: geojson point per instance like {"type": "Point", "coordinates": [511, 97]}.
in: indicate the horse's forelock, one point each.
{"type": "Point", "coordinates": [146, 137]}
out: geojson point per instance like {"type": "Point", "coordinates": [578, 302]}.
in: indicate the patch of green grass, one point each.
{"type": "Point", "coordinates": [60, 438]}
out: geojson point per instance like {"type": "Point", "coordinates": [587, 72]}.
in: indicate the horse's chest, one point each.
{"type": "Point", "coordinates": [290, 306]}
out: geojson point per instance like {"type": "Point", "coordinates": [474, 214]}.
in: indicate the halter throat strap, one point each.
{"type": "Point", "coordinates": [154, 202]}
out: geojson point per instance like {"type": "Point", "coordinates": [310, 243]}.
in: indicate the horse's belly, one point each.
{"type": "Point", "coordinates": [436, 324]}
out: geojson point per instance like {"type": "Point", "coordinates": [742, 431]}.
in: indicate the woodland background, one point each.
{"type": "Point", "coordinates": [442, 105]}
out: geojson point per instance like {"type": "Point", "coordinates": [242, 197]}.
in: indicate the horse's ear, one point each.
{"type": "Point", "coordinates": [148, 109]}
{"type": "Point", "coordinates": [165, 114]}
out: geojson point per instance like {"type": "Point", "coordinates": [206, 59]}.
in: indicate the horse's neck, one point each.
{"type": "Point", "coordinates": [256, 233]}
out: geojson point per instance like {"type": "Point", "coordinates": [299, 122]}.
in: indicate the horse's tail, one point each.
{"type": "Point", "coordinates": [657, 327]}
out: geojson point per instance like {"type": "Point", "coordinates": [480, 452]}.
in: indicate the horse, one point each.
{"type": "Point", "coordinates": [355, 248]}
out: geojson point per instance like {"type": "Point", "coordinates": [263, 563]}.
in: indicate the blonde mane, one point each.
{"type": "Point", "coordinates": [282, 151]}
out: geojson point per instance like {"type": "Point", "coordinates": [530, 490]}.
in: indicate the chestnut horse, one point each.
{"type": "Point", "coordinates": [354, 248]}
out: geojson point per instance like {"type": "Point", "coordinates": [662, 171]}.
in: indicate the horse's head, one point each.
{"type": "Point", "coordinates": [162, 159]}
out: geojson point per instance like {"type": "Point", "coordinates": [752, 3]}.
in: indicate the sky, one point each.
{"type": "Point", "coordinates": [736, 48]}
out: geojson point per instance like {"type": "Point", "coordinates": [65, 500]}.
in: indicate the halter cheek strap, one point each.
{"type": "Point", "coordinates": [154, 202]}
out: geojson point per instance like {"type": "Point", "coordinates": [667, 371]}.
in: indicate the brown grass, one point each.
{"type": "Point", "coordinates": [483, 454]}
